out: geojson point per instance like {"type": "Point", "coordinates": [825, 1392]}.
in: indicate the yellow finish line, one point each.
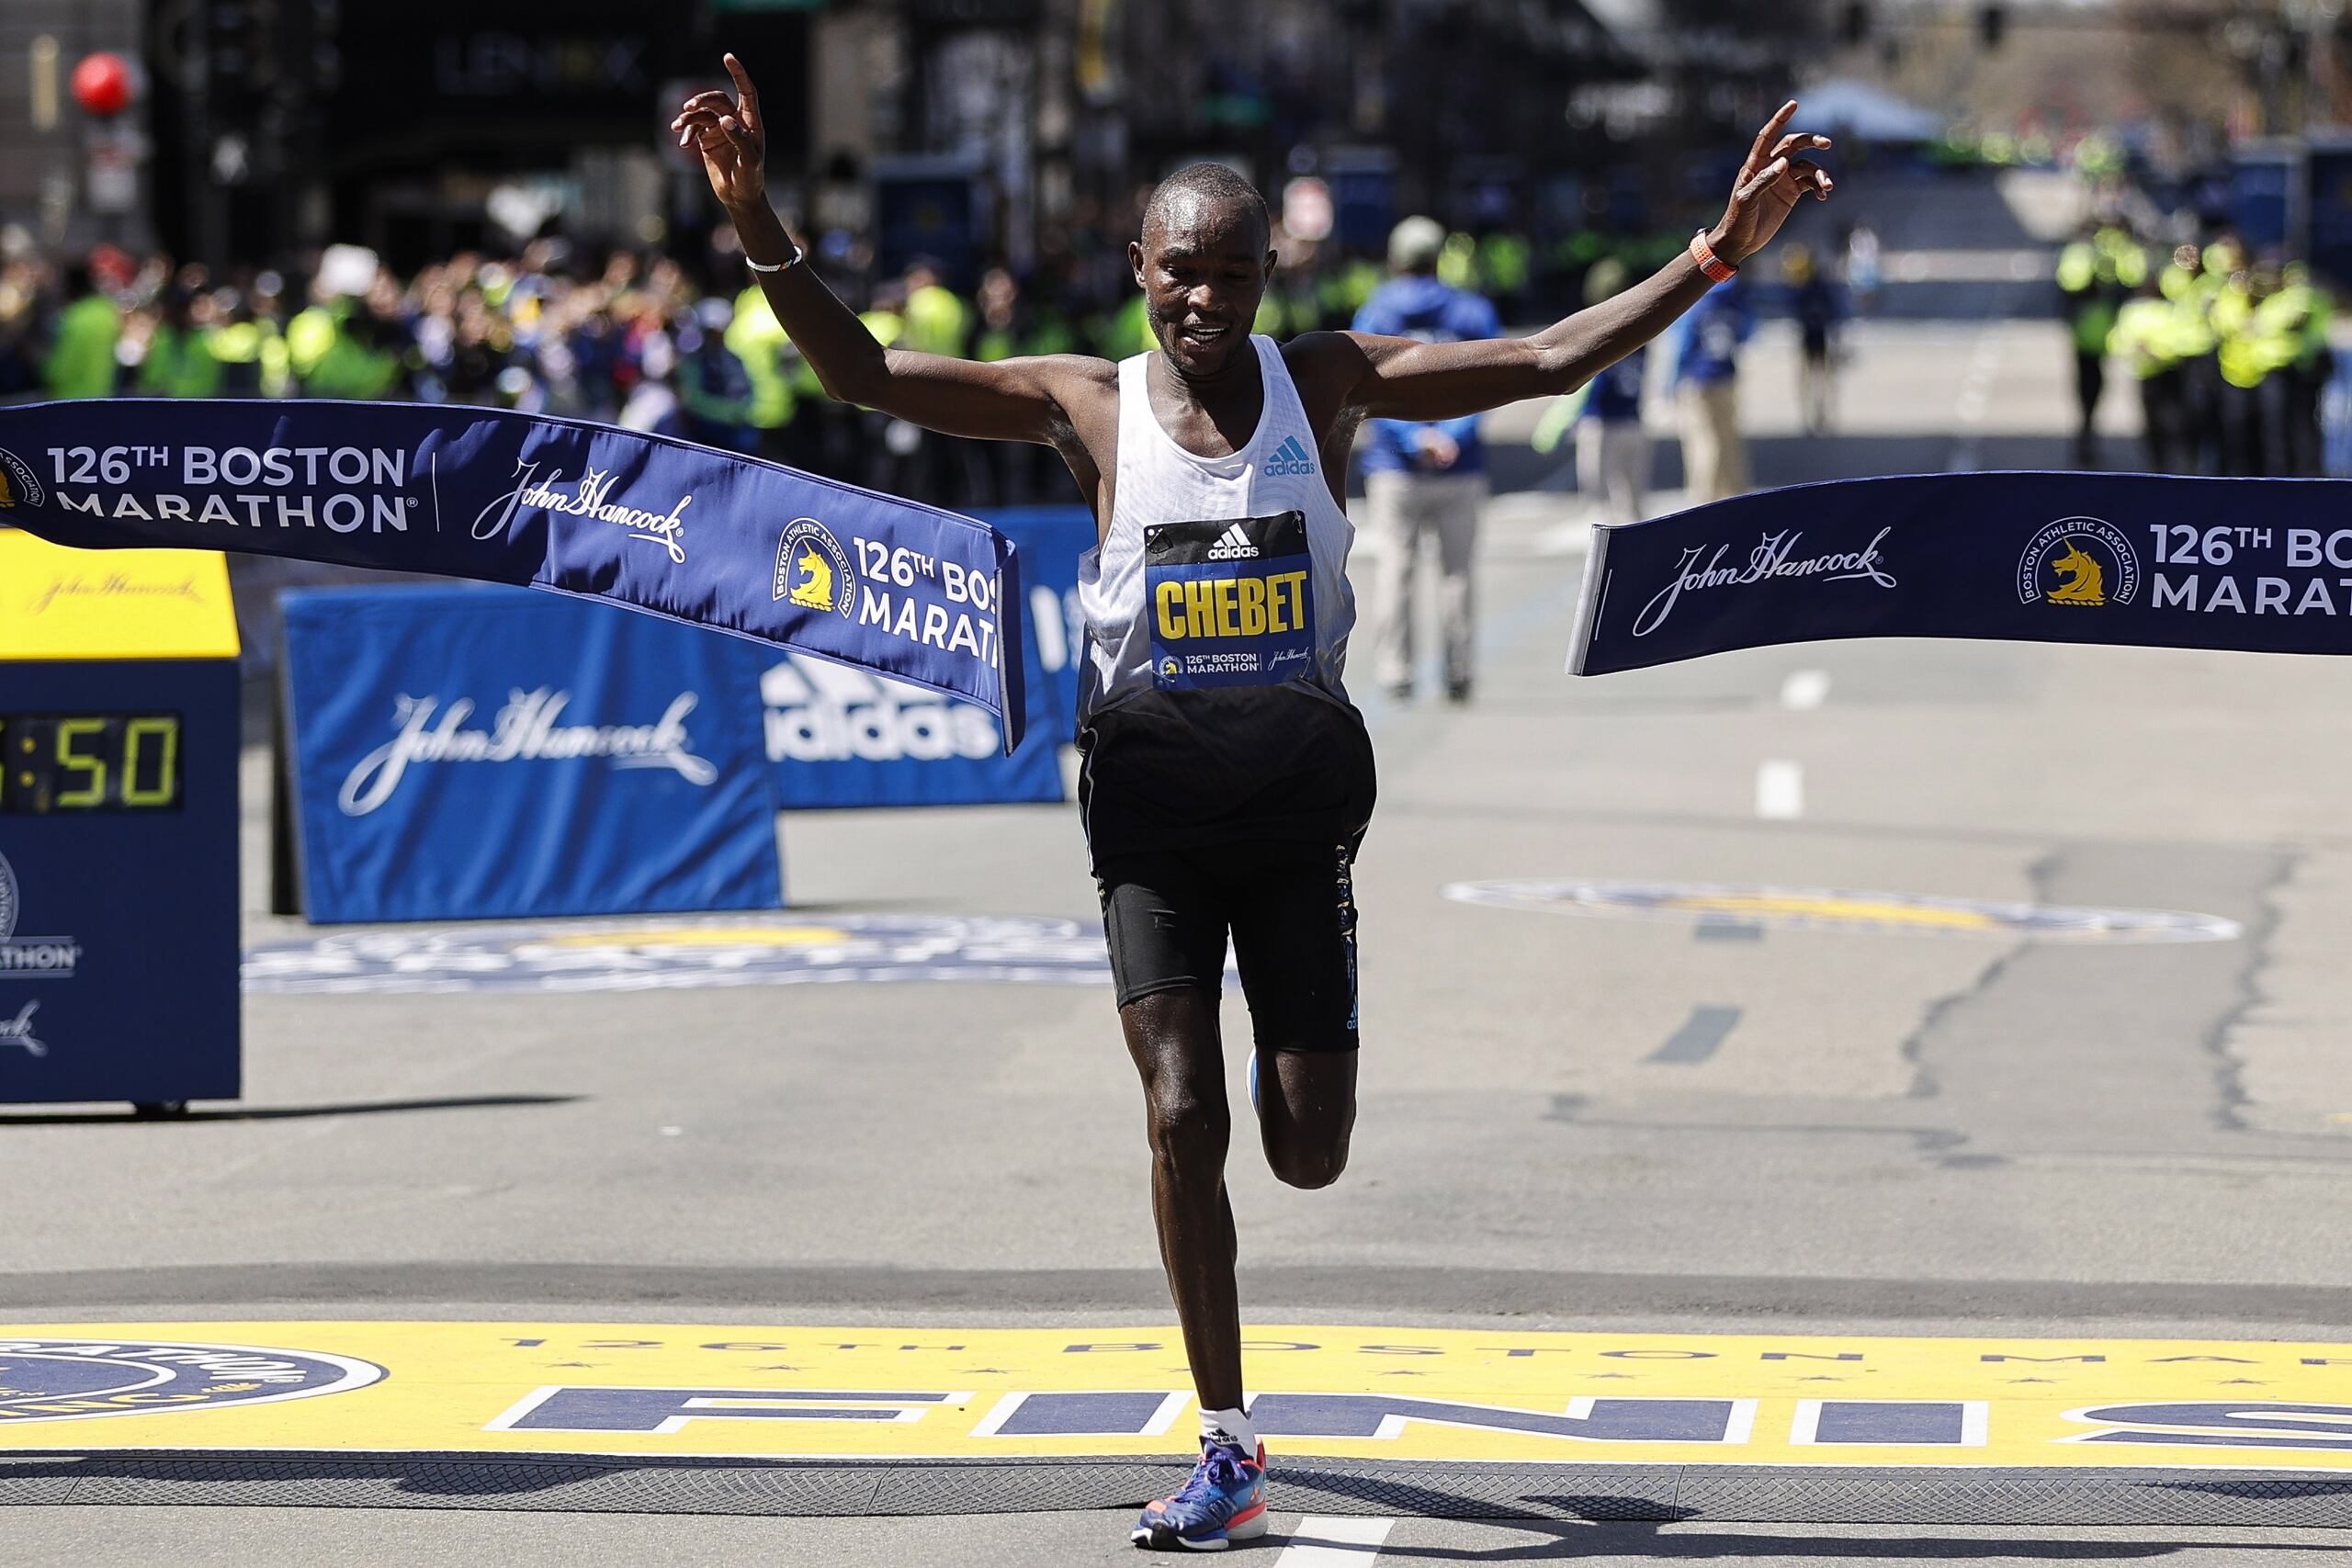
{"type": "Point", "coordinates": [886, 1393]}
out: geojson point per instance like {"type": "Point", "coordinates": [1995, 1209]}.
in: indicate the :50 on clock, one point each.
{"type": "Point", "coordinates": [56, 762]}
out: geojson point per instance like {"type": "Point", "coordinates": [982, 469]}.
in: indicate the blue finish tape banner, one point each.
{"type": "Point", "coordinates": [481, 753]}
{"type": "Point", "coordinates": [1048, 541]}
{"type": "Point", "coordinates": [844, 738]}
{"type": "Point", "coordinates": [2261, 566]}
{"type": "Point", "coordinates": [696, 534]}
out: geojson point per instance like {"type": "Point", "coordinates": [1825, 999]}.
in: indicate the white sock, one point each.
{"type": "Point", "coordinates": [1229, 1427]}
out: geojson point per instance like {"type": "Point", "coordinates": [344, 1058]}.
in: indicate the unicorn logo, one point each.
{"type": "Point", "coordinates": [2082, 581]}
{"type": "Point", "coordinates": [815, 590]}
{"type": "Point", "coordinates": [812, 570]}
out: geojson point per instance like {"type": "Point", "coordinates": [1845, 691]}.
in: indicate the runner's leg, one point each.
{"type": "Point", "coordinates": [1166, 929]}
{"type": "Point", "coordinates": [1295, 939]}
{"type": "Point", "coordinates": [1173, 1037]}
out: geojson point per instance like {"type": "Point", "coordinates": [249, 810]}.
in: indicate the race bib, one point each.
{"type": "Point", "coordinates": [1232, 603]}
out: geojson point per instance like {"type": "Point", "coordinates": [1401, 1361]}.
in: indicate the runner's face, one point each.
{"type": "Point", "coordinates": [1203, 271]}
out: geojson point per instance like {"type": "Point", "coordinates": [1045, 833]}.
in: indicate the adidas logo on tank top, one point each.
{"type": "Point", "coordinates": [1291, 458]}
{"type": "Point", "coordinates": [1233, 545]}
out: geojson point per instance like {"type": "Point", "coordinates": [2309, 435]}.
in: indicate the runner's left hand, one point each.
{"type": "Point", "coordinates": [731, 136]}
{"type": "Point", "coordinates": [1775, 178]}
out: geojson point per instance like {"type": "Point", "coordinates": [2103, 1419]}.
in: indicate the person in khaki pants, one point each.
{"type": "Point", "coordinates": [1705, 348]}
{"type": "Point", "coordinates": [1423, 480]}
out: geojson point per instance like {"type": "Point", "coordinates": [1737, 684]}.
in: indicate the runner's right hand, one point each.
{"type": "Point", "coordinates": [731, 136]}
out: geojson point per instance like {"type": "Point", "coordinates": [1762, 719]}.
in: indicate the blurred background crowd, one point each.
{"type": "Point", "coordinates": [470, 202]}
{"type": "Point", "coordinates": [636, 337]}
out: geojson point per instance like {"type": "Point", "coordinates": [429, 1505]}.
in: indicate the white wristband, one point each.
{"type": "Point", "coordinates": [792, 260]}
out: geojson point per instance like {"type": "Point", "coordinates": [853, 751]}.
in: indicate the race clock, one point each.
{"type": "Point", "coordinates": [119, 906]}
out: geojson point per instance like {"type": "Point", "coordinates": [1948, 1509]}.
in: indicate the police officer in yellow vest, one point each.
{"type": "Point", "coordinates": [2186, 286]}
{"type": "Point", "coordinates": [179, 362]}
{"type": "Point", "coordinates": [759, 343]}
{"type": "Point", "coordinates": [2300, 312]}
{"type": "Point", "coordinates": [2147, 339]}
{"type": "Point", "coordinates": [2096, 273]}
{"type": "Point", "coordinates": [950, 471]}
{"type": "Point", "coordinates": [2246, 355]}
{"type": "Point", "coordinates": [250, 352]}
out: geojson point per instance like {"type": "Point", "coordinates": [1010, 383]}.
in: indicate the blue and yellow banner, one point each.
{"type": "Point", "coordinates": [2261, 566]}
{"type": "Point", "coordinates": [685, 532]}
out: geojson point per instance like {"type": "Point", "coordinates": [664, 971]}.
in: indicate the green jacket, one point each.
{"type": "Point", "coordinates": [755, 337]}
{"type": "Point", "coordinates": [81, 364]}
{"type": "Point", "coordinates": [179, 364]}
{"type": "Point", "coordinates": [937, 321]}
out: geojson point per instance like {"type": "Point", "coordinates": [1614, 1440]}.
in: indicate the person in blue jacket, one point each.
{"type": "Point", "coordinates": [1704, 348]}
{"type": "Point", "coordinates": [1423, 480]}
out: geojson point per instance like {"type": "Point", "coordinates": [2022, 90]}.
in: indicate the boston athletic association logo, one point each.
{"type": "Point", "coordinates": [2078, 561]}
{"type": "Point", "coordinates": [77, 1380]}
{"type": "Point", "coordinates": [19, 486]}
{"type": "Point", "coordinates": [812, 570]}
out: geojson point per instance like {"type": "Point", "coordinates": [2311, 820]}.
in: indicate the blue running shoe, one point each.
{"type": "Point", "coordinates": [1224, 1502]}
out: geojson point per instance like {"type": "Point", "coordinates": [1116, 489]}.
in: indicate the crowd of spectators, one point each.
{"type": "Point", "coordinates": [640, 339]}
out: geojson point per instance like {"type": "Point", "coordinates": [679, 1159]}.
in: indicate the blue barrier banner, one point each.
{"type": "Point", "coordinates": [481, 753]}
{"type": "Point", "coordinates": [844, 738]}
{"type": "Point", "coordinates": [2262, 565]}
{"type": "Point", "coordinates": [1048, 541]}
{"type": "Point", "coordinates": [686, 531]}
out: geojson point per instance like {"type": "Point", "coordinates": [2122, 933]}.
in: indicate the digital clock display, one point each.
{"type": "Point", "coordinates": [60, 762]}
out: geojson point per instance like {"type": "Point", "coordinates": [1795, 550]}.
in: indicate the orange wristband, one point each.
{"type": "Point", "coordinates": [1717, 269]}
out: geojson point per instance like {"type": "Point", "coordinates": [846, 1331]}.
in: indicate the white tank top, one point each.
{"type": "Point", "coordinates": [1253, 593]}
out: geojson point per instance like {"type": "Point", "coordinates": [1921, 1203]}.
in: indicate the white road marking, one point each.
{"type": "Point", "coordinates": [1325, 1541]}
{"type": "Point", "coordinates": [1780, 790]}
{"type": "Point", "coordinates": [1804, 689]}
{"type": "Point", "coordinates": [1975, 400]}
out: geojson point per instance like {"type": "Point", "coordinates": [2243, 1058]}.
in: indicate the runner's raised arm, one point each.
{"type": "Point", "coordinates": [1011, 399]}
{"type": "Point", "coordinates": [1394, 378]}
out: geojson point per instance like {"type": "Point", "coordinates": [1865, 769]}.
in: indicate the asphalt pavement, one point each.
{"type": "Point", "coordinates": [1610, 1111]}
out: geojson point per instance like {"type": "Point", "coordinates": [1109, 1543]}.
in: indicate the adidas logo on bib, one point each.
{"type": "Point", "coordinates": [1233, 545]}
{"type": "Point", "coordinates": [1291, 458]}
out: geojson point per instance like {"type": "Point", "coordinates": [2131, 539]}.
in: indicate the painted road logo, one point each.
{"type": "Point", "coordinates": [1501, 1394]}
{"type": "Point", "coordinates": [611, 955]}
{"type": "Point", "coordinates": [1819, 908]}
{"type": "Point", "coordinates": [79, 1379]}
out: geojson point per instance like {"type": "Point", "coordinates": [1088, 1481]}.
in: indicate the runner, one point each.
{"type": "Point", "coordinates": [1227, 782]}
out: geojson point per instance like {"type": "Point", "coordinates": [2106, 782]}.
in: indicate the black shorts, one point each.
{"type": "Point", "coordinates": [1291, 909]}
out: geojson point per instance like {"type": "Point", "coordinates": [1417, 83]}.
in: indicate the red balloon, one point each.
{"type": "Point", "coordinates": [102, 83]}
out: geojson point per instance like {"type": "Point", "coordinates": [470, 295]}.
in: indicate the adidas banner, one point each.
{"type": "Point", "coordinates": [677, 530]}
{"type": "Point", "coordinates": [2258, 565]}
